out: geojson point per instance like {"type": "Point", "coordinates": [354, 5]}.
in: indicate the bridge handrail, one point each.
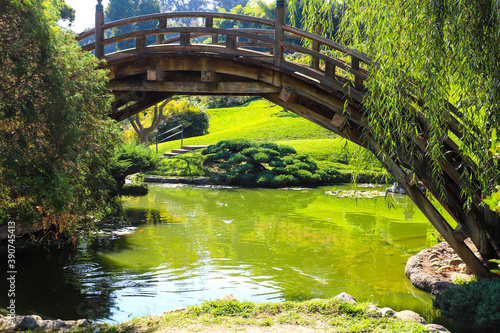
{"type": "Point", "coordinates": [328, 42]}
{"type": "Point", "coordinates": [158, 16]}
{"type": "Point", "coordinates": [277, 39]}
{"type": "Point", "coordinates": [160, 31]}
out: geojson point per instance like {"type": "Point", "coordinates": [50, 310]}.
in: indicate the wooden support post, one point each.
{"type": "Point", "coordinates": [330, 70]}
{"type": "Point", "coordinates": [315, 47]}
{"type": "Point", "coordinates": [279, 35]}
{"type": "Point", "coordinates": [185, 38]}
{"type": "Point", "coordinates": [428, 209]}
{"type": "Point", "coordinates": [358, 82]}
{"type": "Point", "coordinates": [209, 23]}
{"type": "Point", "coordinates": [140, 42]}
{"type": "Point", "coordinates": [230, 42]}
{"type": "Point", "coordinates": [99, 32]}
{"type": "Point", "coordinates": [162, 23]}
{"type": "Point", "coordinates": [287, 96]}
{"type": "Point", "coordinates": [156, 75]}
{"type": "Point", "coordinates": [208, 76]}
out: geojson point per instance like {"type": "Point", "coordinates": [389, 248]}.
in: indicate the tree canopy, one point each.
{"type": "Point", "coordinates": [428, 54]}
{"type": "Point", "coordinates": [54, 135]}
{"type": "Point", "coordinates": [120, 9]}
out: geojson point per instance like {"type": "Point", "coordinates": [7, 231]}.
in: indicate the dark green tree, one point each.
{"type": "Point", "coordinates": [120, 9]}
{"type": "Point", "coordinates": [244, 162]}
{"type": "Point", "coordinates": [55, 141]}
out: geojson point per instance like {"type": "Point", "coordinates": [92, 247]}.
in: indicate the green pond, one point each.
{"type": "Point", "coordinates": [192, 244]}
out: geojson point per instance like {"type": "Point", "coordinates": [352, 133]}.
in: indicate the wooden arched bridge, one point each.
{"type": "Point", "coordinates": [327, 90]}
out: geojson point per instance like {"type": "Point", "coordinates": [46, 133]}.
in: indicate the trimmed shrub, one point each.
{"type": "Point", "coordinates": [286, 150]}
{"type": "Point", "coordinates": [283, 180]}
{"type": "Point", "coordinates": [237, 158]}
{"type": "Point", "coordinates": [134, 190]}
{"type": "Point", "coordinates": [261, 157]}
{"type": "Point", "coordinates": [304, 176]}
{"type": "Point", "coordinates": [269, 145]}
{"type": "Point", "coordinates": [242, 168]}
{"type": "Point", "coordinates": [264, 179]}
{"type": "Point", "coordinates": [243, 162]}
{"type": "Point", "coordinates": [477, 302]}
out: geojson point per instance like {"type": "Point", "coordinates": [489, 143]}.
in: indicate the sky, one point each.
{"type": "Point", "coordinates": [85, 13]}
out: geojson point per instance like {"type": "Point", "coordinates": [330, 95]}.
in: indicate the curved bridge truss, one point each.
{"type": "Point", "coordinates": [328, 90]}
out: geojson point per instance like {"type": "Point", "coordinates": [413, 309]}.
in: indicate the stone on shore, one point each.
{"type": "Point", "coordinates": [31, 323]}
{"type": "Point", "coordinates": [345, 297]}
{"type": "Point", "coordinates": [435, 328]}
{"type": "Point", "coordinates": [410, 315]}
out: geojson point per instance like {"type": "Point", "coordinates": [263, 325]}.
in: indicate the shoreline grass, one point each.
{"type": "Point", "coordinates": [331, 315]}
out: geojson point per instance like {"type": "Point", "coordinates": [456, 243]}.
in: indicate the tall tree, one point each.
{"type": "Point", "coordinates": [54, 142]}
{"type": "Point", "coordinates": [144, 132]}
{"type": "Point", "coordinates": [429, 54]}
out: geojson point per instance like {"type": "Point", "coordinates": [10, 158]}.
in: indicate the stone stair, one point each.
{"type": "Point", "coordinates": [182, 150]}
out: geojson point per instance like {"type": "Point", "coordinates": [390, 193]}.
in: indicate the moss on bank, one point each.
{"type": "Point", "coordinates": [228, 316]}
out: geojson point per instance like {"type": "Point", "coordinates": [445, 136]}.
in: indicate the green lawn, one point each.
{"type": "Point", "coordinates": [261, 120]}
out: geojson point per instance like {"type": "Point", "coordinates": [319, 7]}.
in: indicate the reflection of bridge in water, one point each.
{"type": "Point", "coordinates": [328, 91]}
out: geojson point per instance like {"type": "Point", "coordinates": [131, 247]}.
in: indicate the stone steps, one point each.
{"type": "Point", "coordinates": [183, 149]}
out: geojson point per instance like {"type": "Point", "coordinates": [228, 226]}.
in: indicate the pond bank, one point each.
{"type": "Point", "coordinates": [438, 268]}
{"type": "Point", "coordinates": [226, 314]}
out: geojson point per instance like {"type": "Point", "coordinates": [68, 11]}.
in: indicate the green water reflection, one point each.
{"type": "Point", "coordinates": [266, 245]}
{"type": "Point", "coordinates": [193, 244]}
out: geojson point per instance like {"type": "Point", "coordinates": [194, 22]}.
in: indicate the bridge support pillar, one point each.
{"type": "Point", "coordinates": [279, 19]}
{"type": "Point", "coordinates": [99, 32]}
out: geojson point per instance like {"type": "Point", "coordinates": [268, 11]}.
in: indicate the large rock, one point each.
{"type": "Point", "coordinates": [387, 312]}
{"type": "Point", "coordinates": [32, 323]}
{"type": "Point", "coordinates": [410, 315]}
{"type": "Point", "coordinates": [228, 297]}
{"type": "Point", "coordinates": [435, 328]}
{"type": "Point", "coordinates": [422, 280]}
{"type": "Point", "coordinates": [345, 297]}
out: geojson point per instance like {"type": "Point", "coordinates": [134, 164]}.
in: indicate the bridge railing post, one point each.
{"type": "Point", "coordinates": [358, 82]}
{"type": "Point", "coordinates": [162, 23]}
{"type": "Point", "coordinates": [209, 23]}
{"type": "Point", "coordinates": [316, 47]}
{"type": "Point", "coordinates": [279, 21]}
{"type": "Point", "coordinates": [99, 32]}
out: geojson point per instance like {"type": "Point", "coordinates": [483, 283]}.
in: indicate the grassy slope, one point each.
{"type": "Point", "coordinates": [262, 121]}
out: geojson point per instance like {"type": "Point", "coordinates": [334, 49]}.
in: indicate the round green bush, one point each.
{"type": "Point", "coordinates": [269, 145]}
{"type": "Point", "coordinates": [212, 149]}
{"type": "Point", "coordinates": [225, 166]}
{"type": "Point", "coordinates": [284, 180]}
{"type": "Point", "coordinates": [264, 179]}
{"type": "Point", "coordinates": [236, 144]}
{"type": "Point", "coordinates": [261, 157]}
{"type": "Point", "coordinates": [286, 150]}
{"type": "Point", "coordinates": [276, 164]}
{"type": "Point", "coordinates": [476, 302]}
{"type": "Point", "coordinates": [304, 176]}
{"type": "Point", "coordinates": [242, 168]}
{"type": "Point", "coordinates": [222, 155]}
{"type": "Point", "coordinates": [134, 190]}
{"type": "Point", "coordinates": [288, 160]}
{"type": "Point", "coordinates": [243, 162]}
{"type": "Point", "coordinates": [250, 151]}
{"type": "Point", "coordinates": [237, 158]}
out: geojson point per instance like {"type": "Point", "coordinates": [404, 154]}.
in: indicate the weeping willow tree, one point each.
{"type": "Point", "coordinates": [432, 100]}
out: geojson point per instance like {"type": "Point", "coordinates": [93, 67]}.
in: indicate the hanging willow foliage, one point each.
{"type": "Point", "coordinates": [438, 58]}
